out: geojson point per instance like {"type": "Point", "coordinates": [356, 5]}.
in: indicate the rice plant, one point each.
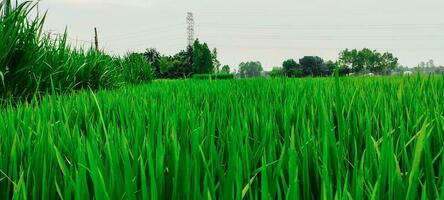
{"type": "Point", "coordinates": [314, 138]}
{"type": "Point", "coordinates": [347, 138]}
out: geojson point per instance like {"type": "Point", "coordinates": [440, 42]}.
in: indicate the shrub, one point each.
{"type": "Point", "coordinates": [19, 50]}
{"type": "Point", "coordinates": [136, 69]}
{"type": "Point", "coordinates": [277, 72]}
{"type": "Point", "coordinates": [32, 63]}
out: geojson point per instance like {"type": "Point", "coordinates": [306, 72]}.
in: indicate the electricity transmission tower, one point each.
{"type": "Point", "coordinates": [190, 28]}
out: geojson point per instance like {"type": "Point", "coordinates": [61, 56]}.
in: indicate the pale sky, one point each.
{"type": "Point", "coordinates": [269, 31]}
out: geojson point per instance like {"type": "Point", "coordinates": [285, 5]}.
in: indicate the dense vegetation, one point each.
{"type": "Point", "coordinates": [196, 59]}
{"type": "Point", "coordinates": [357, 138]}
{"type": "Point", "coordinates": [349, 61]}
{"type": "Point", "coordinates": [307, 66]}
{"type": "Point", "coordinates": [32, 63]}
{"type": "Point", "coordinates": [250, 69]}
{"type": "Point", "coordinates": [366, 60]}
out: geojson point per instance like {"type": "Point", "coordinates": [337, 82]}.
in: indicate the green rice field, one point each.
{"type": "Point", "coordinates": [314, 138]}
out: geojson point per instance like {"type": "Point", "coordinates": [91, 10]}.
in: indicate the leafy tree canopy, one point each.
{"type": "Point", "coordinates": [202, 58]}
{"type": "Point", "coordinates": [152, 56]}
{"type": "Point", "coordinates": [311, 65]}
{"type": "Point", "coordinates": [195, 59]}
{"type": "Point", "coordinates": [225, 69]}
{"type": "Point", "coordinates": [277, 72]}
{"type": "Point", "coordinates": [216, 62]}
{"type": "Point", "coordinates": [291, 68]}
{"type": "Point", "coordinates": [250, 69]}
{"type": "Point", "coordinates": [367, 60]}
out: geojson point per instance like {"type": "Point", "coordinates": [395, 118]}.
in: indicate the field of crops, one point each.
{"type": "Point", "coordinates": [348, 138]}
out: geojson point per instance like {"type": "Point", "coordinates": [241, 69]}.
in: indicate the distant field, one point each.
{"type": "Point", "coordinates": [358, 138]}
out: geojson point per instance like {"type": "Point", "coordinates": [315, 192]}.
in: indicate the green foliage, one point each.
{"type": "Point", "coordinates": [318, 138]}
{"type": "Point", "coordinates": [182, 64]}
{"type": "Point", "coordinates": [31, 63]}
{"type": "Point", "coordinates": [152, 56]}
{"type": "Point", "coordinates": [328, 68]}
{"type": "Point", "coordinates": [136, 70]}
{"type": "Point", "coordinates": [213, 76]}
{"type": "Point", "coordinates": [277, 72]}
{"type": "Point", "coordinates": [202, 58]}
{"type": "Point", "coordinates": [311, 65]}
{"type": "Point", "coordinates": [308, 66]}
{"type": "Point", "coordinates": [196, 59]}
{"type": "Point", "coordinates": [366, 60]}
{"type": "Point", "coordinates": [292, 69]}
{"type": "Point", "coordinates": [18, 49]}
{"type": "Point", "coordinates": [225, 69]}
{"type": "Point", "coordinates": [178, 66]}
{"type": "Point", "coordinates": [250, 69]}
{"type": "Point", "coordinates": [216, 62]}
{"type": "Point", "coordinates": [165, 65]}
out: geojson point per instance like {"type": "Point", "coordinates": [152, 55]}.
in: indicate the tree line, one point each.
{"type": "Point", "coordinates": [199, 59]}
{"type": "Point", "coordinates": [350, 62]}
{"type": "Point", "coordinates": [195, 59]}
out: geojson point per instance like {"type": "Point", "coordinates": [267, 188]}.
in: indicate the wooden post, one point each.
{"type": "Point", "coordinates": [96, 39]}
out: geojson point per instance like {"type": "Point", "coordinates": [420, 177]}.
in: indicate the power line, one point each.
{"type": "Point", "coordinates": [292, 47]}
{"type": "Point", "coordinates": [143, 32]}
{"type": "Point", "coordinates": [145, 42]}
{"type": "Point", "coordinates": [325, 37]}
{"type": "Point", "coordinates": [277, 27]}
{"type": "Point", "coordinates": [143, 37]}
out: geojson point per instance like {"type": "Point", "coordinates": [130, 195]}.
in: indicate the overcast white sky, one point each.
{"type": "Point", "coordinates": [269, 31]}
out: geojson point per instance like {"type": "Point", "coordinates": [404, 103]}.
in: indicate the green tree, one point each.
{"type": "Point", "coordinates": [370, 60]}
{"type": "Point", "coordinates": [202, 58]}
{"type": "Point", "coordinates": [183, 63]}
{"type": "Point", "coordinates": [350, 61]}
{"type": "Point", "coordinates": [328, 68]}
{"type": "Point", "coordinates": [291, 68]}
{"type": "Point", "coordinates": [225, 69]}
{"type": "Point", "coordinates": [166, 66]}
{"type": "Point", "coordinates": [367, 60]}
{"type": "Point", "coordinates": [277, 72]}
{"type": "Point", "coordinates": [389, 62]}
{"type": "Point", "coordinates": [216, 62]}
{"type": "Point", "coordinates": [311, 65]}
{"type": "Point", "coordinates": [250, 69]}
{"type": "Point", "coordinates": [152, 56]}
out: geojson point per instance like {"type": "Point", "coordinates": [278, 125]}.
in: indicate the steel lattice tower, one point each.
{"type": "Point", "coordinates": [190, 28]}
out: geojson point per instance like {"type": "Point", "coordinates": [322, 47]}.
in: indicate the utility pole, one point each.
{"type": "Point", "coordinates": [96, 39]}
{"type": "Point", "coordinates": [190, 28]}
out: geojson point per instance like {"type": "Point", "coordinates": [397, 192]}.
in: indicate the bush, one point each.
{"type": "Point", "coordinates": [213, 76]}
{"type": "Point", "coordinates": [19, 51]}
{"type": "Point", "coordinates": [277, 72]}
{"type": "Point", "coordinates": [136, 69]}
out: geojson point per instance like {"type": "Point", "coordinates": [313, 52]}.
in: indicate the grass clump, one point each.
{"type": "Point", "coordinates": [31, 63]}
